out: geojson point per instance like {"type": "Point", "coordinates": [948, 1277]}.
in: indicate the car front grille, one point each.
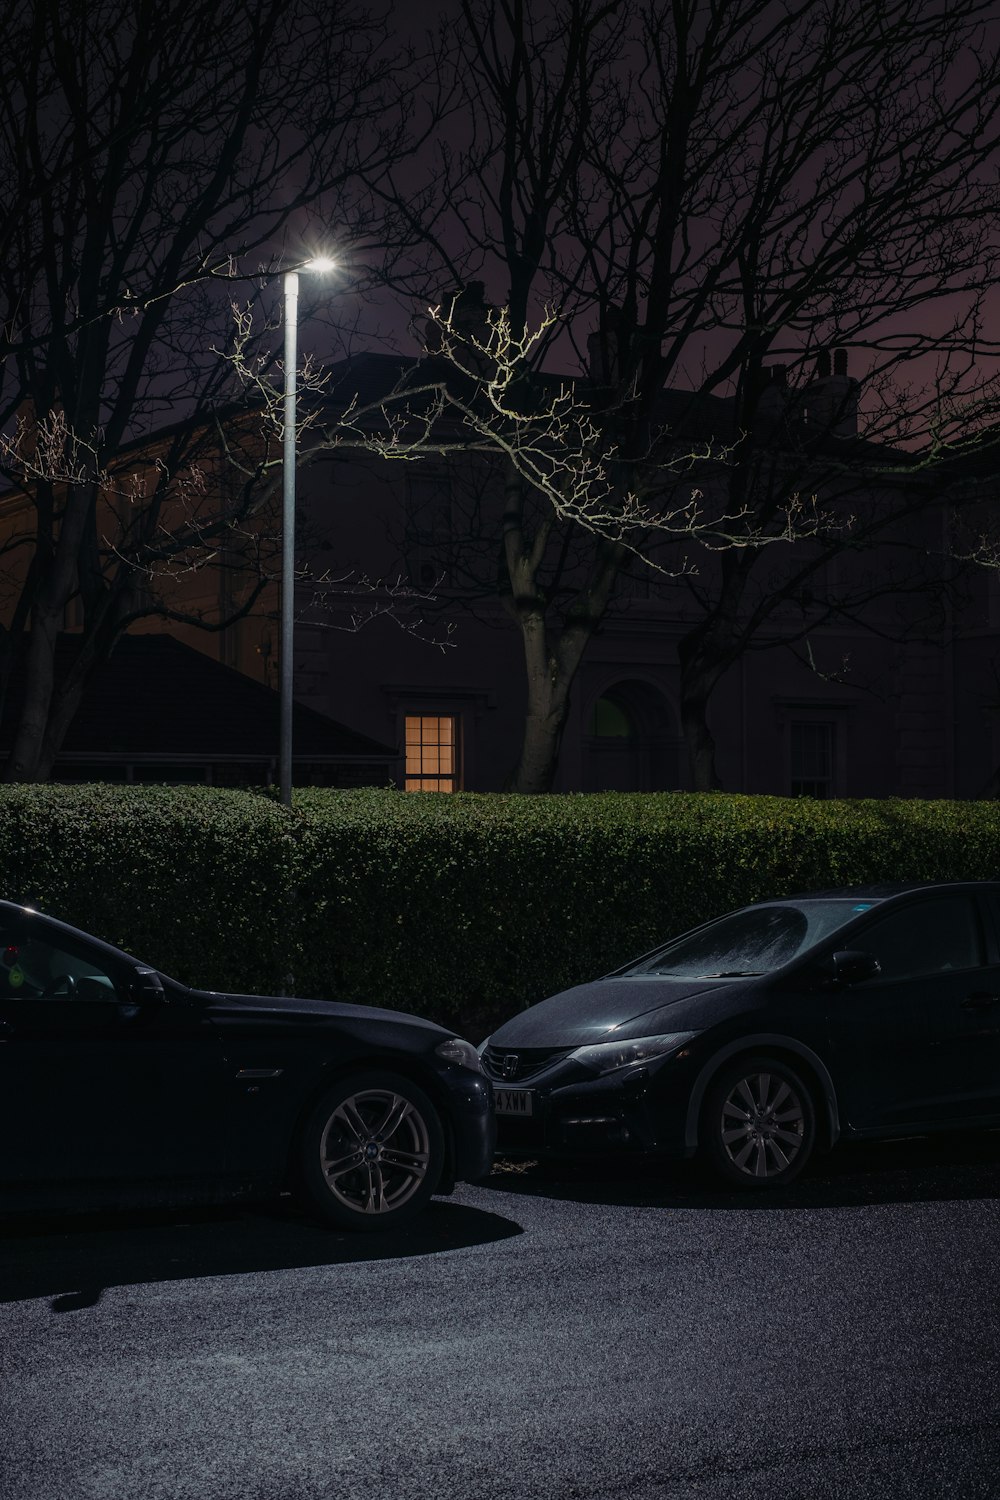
{"type": "Point", "coordinates": [517, 1064]}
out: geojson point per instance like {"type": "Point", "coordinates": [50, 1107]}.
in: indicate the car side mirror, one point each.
{"type": "Point", "coordinates": [851, 967]}
{"type": "Point", "coordinates": [146, 988]}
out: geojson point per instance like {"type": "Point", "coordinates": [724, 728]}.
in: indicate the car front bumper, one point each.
{"type": "Point", "coordinates": [631, 1112]}
{"type": "Point", "coordinates": [473, 1123]}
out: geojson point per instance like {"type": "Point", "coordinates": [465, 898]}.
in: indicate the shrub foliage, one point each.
{"type": "Point", "coordinates": [462, 907]}
{"type": "Point", "coordinates": [196, 881]}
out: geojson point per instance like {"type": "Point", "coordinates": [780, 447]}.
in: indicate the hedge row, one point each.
{"type": "Point", "coordinates": [197, 881]}
{"type": "Point", "coordinates": [462, 907]}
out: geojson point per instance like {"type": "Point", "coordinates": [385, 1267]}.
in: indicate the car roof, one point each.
{"type": "Point", "coordinates": [884, 890]}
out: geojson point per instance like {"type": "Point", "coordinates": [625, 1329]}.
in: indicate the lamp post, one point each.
{"type": "Point", "coordinates": [291, 313]}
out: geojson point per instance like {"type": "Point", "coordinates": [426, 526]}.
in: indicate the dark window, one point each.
{"type": "Point", "coordinates": [932, 937]}
{"type": "Point", "coordinates": [32, 967]}
{"type": "Point", "coordinates": [429, 529]}
{"type": "Point", "coordinates": [812, 748]}
{"type": "Point", "coordinates": [611, 721]}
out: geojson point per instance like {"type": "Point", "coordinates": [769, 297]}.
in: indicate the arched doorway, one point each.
{"type": "Point", "coordinates": [631, 742]}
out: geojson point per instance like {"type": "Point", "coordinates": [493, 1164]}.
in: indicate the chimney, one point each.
{"type": "Point", "coordinates": [770, 406]}
{"type": "Point", "coordinates": [468, 311]}
{"type": "Point", "coordinates": [830, 401]}
{"type": "Point", "coordinates": [606, 347]}
{"type": "Point", "coordinates": [470, 307]}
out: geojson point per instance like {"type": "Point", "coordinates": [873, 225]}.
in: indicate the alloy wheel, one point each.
{"type": "Point", "coordinates": [375, 1151]}
{"type": "Point", "coordinates": [763, 1125]}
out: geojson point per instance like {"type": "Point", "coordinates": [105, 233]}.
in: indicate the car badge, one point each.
{"type": "Point", "coordinates": [508, 1065]}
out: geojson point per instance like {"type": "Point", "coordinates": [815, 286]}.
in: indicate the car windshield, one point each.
{"type": "Point", "coordinates": [756, 940]}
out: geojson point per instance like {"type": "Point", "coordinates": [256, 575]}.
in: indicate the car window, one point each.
{"type": "Point", "coordinates": [753, 941]}
{"type": "Point", "coordinates": [31, 968]}
{"type": "Point", "coordinates": [929, 937]}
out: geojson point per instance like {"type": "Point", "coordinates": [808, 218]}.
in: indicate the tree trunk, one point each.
{"type": "Point", "coordinates": [700, 743]}
{"type": "Point", "coordinates": [547, 681]}
{"type": "Point", "coordinates": [543, 727]}
{"type": "Point", "coordinates": [48, 607]}
{"type": "Point", "coordinates": [67, 696]}
{"type": "Point", "coordinates": [39, 680]}
{"type": "Point", "coordinates": [551, 657]}
{"type": "Point", "coordinates": [50, 705]}
{"type": "Point", "coordinates": [704, 654]}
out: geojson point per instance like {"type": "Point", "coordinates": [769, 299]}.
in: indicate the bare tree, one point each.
{"type": "Point", "coordinates": [149, 153]}
{"type": "Point", "coordinates": [703, 188]}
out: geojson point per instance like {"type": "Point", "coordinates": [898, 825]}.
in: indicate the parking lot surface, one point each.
{"type": "Point", "coordinates": [589, 1334]}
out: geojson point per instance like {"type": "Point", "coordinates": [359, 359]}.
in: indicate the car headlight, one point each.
{"type": "Point", "coordinates": [454, 1050]}
{"type": "Point", "coordinates": [605, 1057]}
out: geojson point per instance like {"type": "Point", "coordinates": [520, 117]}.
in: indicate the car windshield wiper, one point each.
{"type": "Point", "coordinates": [721, 974]}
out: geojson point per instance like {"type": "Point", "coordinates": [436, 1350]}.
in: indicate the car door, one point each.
{"type": "Point", "coordinates": [983, 1006]}
{"type": "Point", "coordinates": [97, 1084]}
{"type": "Point", "coordinates": [907, 1047]}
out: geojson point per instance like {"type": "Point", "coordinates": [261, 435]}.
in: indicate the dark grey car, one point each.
{"type": "Point", "coordinates": [773, 1031]}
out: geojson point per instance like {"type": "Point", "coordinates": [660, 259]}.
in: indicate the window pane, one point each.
{"type": "Point", "coordinates": [31, 968]}
{"type": "Point", "coordinates": [811, 758]}
{"type": "Point", "coordinates": [431, 759]}
{"type": "Point", "coordinates": [932, 937]}
{"type": "Point", "coordinates": [610, 721]}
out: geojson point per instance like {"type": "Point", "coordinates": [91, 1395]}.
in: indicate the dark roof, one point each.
{"type": "Point", "coordinates": [691, 415]}
{"type": "Point", "coordinates": [155, 696]}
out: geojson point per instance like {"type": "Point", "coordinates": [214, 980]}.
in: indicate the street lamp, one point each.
{"type": "Point", "coordinates": [321, 263]}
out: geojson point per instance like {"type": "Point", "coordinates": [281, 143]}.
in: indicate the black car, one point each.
{"type": "Point", "coordinates": [118, 1084]}
{"type": "Point", "coordinates": [768, 1033]}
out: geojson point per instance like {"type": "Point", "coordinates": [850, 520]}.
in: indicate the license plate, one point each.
{"type": "Point", "coordinates": [512, 1101]}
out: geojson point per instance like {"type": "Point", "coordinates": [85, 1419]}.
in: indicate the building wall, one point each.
{"type": "Point", "coordinates": [212, 579]}
{"type": "Point", "coordinates": [908, 717]}
{"type": "Point", "coordinates": [394, 621]}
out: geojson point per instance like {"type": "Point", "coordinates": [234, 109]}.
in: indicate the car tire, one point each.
{"type": "Point", "coordinates": [758, 1123]}
{"type": "Point", "coordinates": [371, 1152]}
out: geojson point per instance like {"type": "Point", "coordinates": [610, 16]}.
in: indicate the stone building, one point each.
{"type": "Point", "coordinates": [890, 692]}
{"type": "Point", "coordinates": [876, 677]}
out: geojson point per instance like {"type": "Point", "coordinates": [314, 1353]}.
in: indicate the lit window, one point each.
{"type": "Point", "coordinates": [812, 758]}
{"type": "Point", "coordinates": [431, 753]}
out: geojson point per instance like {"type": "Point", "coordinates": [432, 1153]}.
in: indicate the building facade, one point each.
{"type": "Point", "coordinates": [895, 695]}
{"type": "Point", "coordinates": [877, 677]}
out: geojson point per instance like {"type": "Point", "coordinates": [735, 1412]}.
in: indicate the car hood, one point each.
{"type": "Point", "coordinates": [613, 1009]}
{"type": "Point", "coordinates": [294, 1011]}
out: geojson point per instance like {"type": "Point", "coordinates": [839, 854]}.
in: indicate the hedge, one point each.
{"type": "Point", "coordinates": [462, 907]}
{"type": "Point", "coordinates": [197, 881]}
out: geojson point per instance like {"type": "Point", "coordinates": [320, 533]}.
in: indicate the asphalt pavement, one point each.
{"type": "Point", "coordinates": [596, 1335]}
